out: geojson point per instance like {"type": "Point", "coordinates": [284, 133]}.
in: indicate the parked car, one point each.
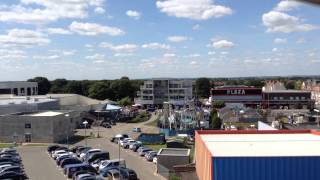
{"type": "Point", "coordinates": [86, 154]}
{"type": "Point", "coordinates": [12, 175]}
{"type": "Point", "coordinates": [97, 155]}
{"type": "Point", "coordinates": [144, 151]}
{"type": "Point", "coordinates": [113, 174]}
{"type": "Point", "coordinates": [52, 148]}
{"type": "Point", "coordinates": [104, 172]}
{"type": "Point", "coordinates": [82, 150]}
{"type": "Point", "coordinates": [85, 176]}
{"type": "Point", "coordinates": [55, 154]}
{"type": "Point", "coordinates": [69, 170]}
{"type": "Point", "coordinates": [150, 155]}
{"type": "Point", "coordinates": [14, 160]}
{"type": "Point", "coordinates": [68, 161]}
{"type": "Point", "coordinates": [125, 140]}
{"type": "Point", "coordinates": [128, 174]}
{"type": "Point", "coordinates": [75, 148]}
{"type": "Point", "coordinates": [12, 168]}
{"type": "Point", "coordinates": [74, 176]}
{"type": "Point", "coordinates": [136, 129]}
{"type": "Point", "coordinates": [114, 162]}
{"type": "Point", "coordinates": [106, 125]}
{"type": "Point", "coordinates": [127, 143]}
{"type": "Point", "coordinates": [136, 146]}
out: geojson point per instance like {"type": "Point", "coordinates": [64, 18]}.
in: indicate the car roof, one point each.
{"type": "Point", "coordinates": [75, 165]}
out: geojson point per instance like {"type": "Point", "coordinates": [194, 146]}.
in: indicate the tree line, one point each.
{"type": "Point", "coordinates": [98, 89]}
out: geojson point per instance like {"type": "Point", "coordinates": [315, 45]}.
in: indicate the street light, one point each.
{"type": "Point", "coordinates": [119, 136]}
{"type": "Point", "coordinates": [85, 131]}
{"type": "Point", "coordinates": [67, 115]}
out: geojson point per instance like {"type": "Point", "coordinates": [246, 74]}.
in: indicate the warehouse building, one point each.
{"type": "Point", "coordinates": [257, 155]}
{"type": "Point", "coordinates": [38, 127]}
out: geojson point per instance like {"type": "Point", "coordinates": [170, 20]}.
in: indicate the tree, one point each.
{"type": "Point", "coordinates": [297, 85]}
{"type": "Point", "coordinates": [202, 87]}
{"type": "Point", "coordinates": [215, 120]}
{"type": "Point", "coordinates": [255, 83]}
{"type": "Point", "coordinates": [123, 87]}
{"type": "Point", "coordinates": [58, 85]}
{"type": "Point", "coordinates": [74, 87]}
{"type": "Point", "coordinates": [126, 101]}
{"type": "Point", "coordinates": [289, 84]}
{"type": "Point", "coordinates": [101, 90]}
{"type": "Point", "coordinates": [43, 84]}
{"type": "Point", "coordinates": [218, 104]}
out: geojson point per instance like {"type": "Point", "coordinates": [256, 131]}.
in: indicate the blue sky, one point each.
{"type": "Point", "coordinates": [107, 39]}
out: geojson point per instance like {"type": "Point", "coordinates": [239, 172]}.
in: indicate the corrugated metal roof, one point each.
{"type": "Point", "coordinates": [240, 145]}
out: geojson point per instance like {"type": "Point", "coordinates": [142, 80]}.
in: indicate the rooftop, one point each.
{"type": "Point", "coordinates": [174, 152]}
{"type": "Point", "coordinates": [261, 143]}
{"type": "Point", "coordinates": [47, 113]}
{"type": "Point", "coordinates": [286, 91]}
{"type": "Point", "coordinates": [23, 100]}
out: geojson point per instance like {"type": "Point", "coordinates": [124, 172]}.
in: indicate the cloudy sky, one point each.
{"type": "Point", "coordinates": [107, 39]}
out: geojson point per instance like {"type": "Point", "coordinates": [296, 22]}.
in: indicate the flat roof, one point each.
{"type": "Point", "coordinates": [47, 113]}
{"type": "Point", "coordinates": [262, 144]}
{"type": "Point", "coordinates": [174, 152]}
{"type": "Point", "coordinates": [286, 91]}
{"type": "Point", "coordinates": [23, 100]}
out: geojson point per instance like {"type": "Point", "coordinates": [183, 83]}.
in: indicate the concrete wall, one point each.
{"type": "Point", "coordinates": [45, 129]}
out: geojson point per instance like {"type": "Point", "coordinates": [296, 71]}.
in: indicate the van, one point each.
{"type": "Point", "coordinates": [114, 162]}
{"type": "Point", "coordinates": [98, 155]}
{"type": "Point", "coordinates": [69, 170]}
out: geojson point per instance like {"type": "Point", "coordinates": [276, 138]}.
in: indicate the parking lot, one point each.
{"type": "Point", "coordinates": [40, 166]}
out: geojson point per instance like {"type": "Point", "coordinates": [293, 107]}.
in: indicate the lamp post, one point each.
{"type": "Point", "coordinates": [85, 131]}
{"type": "Point", "coordinates": [119, 136]}
{"type": "Point", "coordinates": [68, 128]}
{"type": "Point", "coordinates": [318, 121]}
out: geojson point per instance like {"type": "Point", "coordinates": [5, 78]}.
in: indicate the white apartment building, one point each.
{"type": "Point", "coordinates": [155, 92]}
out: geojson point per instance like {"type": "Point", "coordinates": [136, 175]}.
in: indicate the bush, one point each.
{"type": "Point", "coordinates": [141, 117]}
{"type": "Point", "coordinates": [126, 101]}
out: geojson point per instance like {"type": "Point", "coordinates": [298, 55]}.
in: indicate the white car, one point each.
{"type": "Point", "coordinates": [131, 144]}
{"type": "Point", "coordinates": [4, 166]}
{"type": "Point", "coordinates": [56, 153]}
{"type": "Point", "coordinates": [82, 155]}
{"type": "Point", "coordinates": [96, 165]}
{"type": "Point", "coordinates": [155, 160]}
{"type": "Point", "coordinates": [124, 140]}
{"type": "Point", "coordinates": [113, 162]}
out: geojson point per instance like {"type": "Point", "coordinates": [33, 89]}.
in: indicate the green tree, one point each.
{"type": "Point", "coordinates": [202, 87]}
{"type": "Point", "coordinates": [101, 90]}
{"type": "Point", "coordinates": [215, 120]}
{"type": "Point", "coordinates": [218, 104]}
{"type": "Point", "coordinates": [123, 87]}
{"type": "Point", "coordinates": [297, 85]}
{"type": "Point", "coordinates": [43, 84]}
{"type": "Point", "coordinates": [58, 86]}
{"type": "Point", "coordinates": [126, 101]}
{"type": "Point", "coordinates": [74, 87]}
{"type": "Point", "coordinates": [255, 83]}
{"type": "Point", "coordinates": [290, 84]}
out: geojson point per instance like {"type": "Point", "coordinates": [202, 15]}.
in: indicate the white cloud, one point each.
{"type": "Point", "coordinates": [133, 14]}
{"type": "Point", "coordinates": [88, 46]}
{"type": "Point", "coordinates": [280, 41]}
{"type": "Point", "coordinates": [196, 27]}
{"type": "Point", "coordinates": [168, 55]}
{"type": "Point", "coordinates": [93, 29]}
{"type": "Point", "coordinates": [193, 63]}
{"type": "Point", "coordinates": [123, 54]}
{"type": "Point", "coordinates": [300, 40]}
{"type": "Point", "coordinates": [177, 38]}
{"type": "Point", "coordinates": [99, 10]}
{"type": "Point", "coordinates": [287, 5]}
{"type": "Point", "coordinates": [281, 22]}
{"type": "Point", "coordinates": [222, 44]}
{"type": "Point", "coordinates": [23, 38]}
{"type": "Point", "coordinates": [69, 53]}
{"type": "Point", "coordinates": [274, 49]}
{"type": "Point", "coordinates": [58, 31]}
{"type": "Point", "coordinates": [199, 10]}
{"type": "Point", "coordinates": [224, 53]}
{"type": "Point", "coordinates": [119, 48]}
{"type": "Point", "coordinates": [96, 57]}
{"type": "Point", "coordinates": [155, 45]}
{"type": "Point", "coordinates": [44, 11]}
{"type": "Point", "coordinates": [98, 62]}
{"type": "Point", "coordinates": [192, 56]}
{"type": "Point", "coordinates": [6, 54]}
{"type": "Point", "coordinates": [211, 53]}
{"type": "Point", "coordinates": [50, 57]}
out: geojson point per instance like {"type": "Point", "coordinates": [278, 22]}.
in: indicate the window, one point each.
{"type": "Point", "coordinates": [27, 125]}
{"type": "Point", "coordinates": [297, 98]}
{"type": "Point", "coordinates": [281, 98]}
{"type": "Point", "coordinates": [303, 98]}
{"type": "Point", "coordinates": [291, 98]}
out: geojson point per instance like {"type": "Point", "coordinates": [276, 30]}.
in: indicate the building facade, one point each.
{"type": "Point", "coordinates": [257, 155]}
{"type": "Point", "coordinates": [38, 127]}
{"type": "Point", "coordinates": [314, 87]}
{"type": "Point", "coordinates": [155, 92]}
{"type": "Point", "coordinates": [19, 88]}
{"type": "Point", "coordinates": [249, 96]}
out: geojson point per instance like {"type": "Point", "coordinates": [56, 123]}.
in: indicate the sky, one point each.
{"type": "Point", "coordinates": [108, 39]}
